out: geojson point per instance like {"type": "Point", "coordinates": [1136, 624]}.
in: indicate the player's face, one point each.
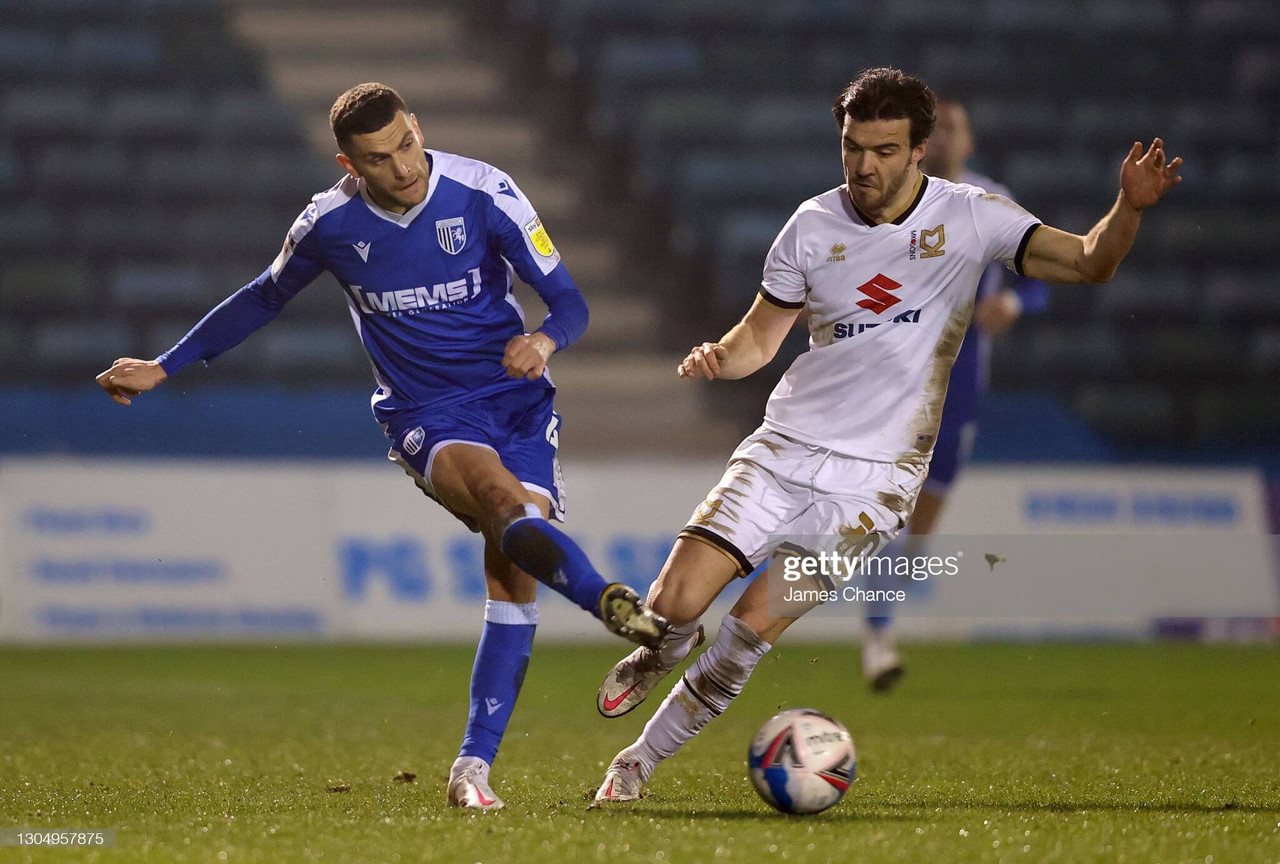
{"type": "Point", "coordinates": [951, 143]}
{"type": "Point", "coordinates": [878, 161]}
{"type": "Point", "coordinates": [392, 163]}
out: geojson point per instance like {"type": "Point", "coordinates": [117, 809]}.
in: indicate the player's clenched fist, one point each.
{"type": "Point", "coordinates": [527, 354]}
{"type": "Point", "coordinates": [128, 377]}
{"type": "Point", "coordinates": [703, 360]}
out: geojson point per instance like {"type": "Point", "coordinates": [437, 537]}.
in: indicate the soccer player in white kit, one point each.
{"type": "Point", "coordinates": [887, 266]}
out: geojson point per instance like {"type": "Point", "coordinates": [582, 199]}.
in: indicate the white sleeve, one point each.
{"type": "Point", "coordinates": [784, 283]}
{"type": "Point", "coordinates": [1004, 228]}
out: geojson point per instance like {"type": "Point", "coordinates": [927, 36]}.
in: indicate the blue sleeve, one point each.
{"type": "Point", "coordinates": [1033, 293]}
{"type": "Point", "coordinates": [567, 313]}
{"type": "Point", "coordinates": [234, 319]}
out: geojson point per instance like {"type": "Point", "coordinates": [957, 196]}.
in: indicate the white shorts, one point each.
{"type": "Point", "coordinates": [776, 488]}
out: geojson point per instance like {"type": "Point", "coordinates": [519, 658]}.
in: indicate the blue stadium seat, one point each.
{"type": "Point", "coordinates": [313, 348]}
{"type": "Point", "coordinates": [49, 114]}
{"type": "Point", "coordinates": [28, 54]}
{"type": "Point", "coordinates": [114, 50]}
{"type": "Point", "coordinates": [134, 231]}
{"type": "Point", "coordinates": [81, 347]}
{"type": "Point", "coordinates": [1139, 412]}
{"type": "Point", "coordinates": [1131, 16]}
{"type": "Point", "coordinates": [48, 284]}
{"type": "Point", "coordinates": [1264, 353]}
{"type": "Point", "coordinates": [1043, 18]}
{"type": "Point", "coordinates": [28, 227]}
{"type": "Point", "coordinates": [1253, 177]}
{"type": "Point", "coordinates": [1246, 295]}
{"type": "Point", "coordinates": [96, 173]}
{"type": "Point", "coordinates": [160, 287]}
{"type": "Point", "coordinates": [1076, 353]}
{"type": "Point", "coordinates": [153, 116]}
{"type": "Point", "coordinates": [1235, 17]}
{"type": "Point", "coordinates": [252, 118]}
{"type": "Point", "coordinates": [1138, 296]}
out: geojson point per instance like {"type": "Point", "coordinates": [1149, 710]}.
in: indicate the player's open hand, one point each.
{"type": "Point", "coordinates": [704, 361]}
{"type": "Point", "coordinates": [128, 377]}
{"type": "Point", "coordinates": [527, 354]}
{"type": "Point", "coordinates": [1145, 177]}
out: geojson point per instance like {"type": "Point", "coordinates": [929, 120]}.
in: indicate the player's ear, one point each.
{"type": "Point", "coordinates": [917, 153]}
{"type": "Point", "coordinates": [417, 130]}
{"type": "Point", "coordinates": [347, 165]}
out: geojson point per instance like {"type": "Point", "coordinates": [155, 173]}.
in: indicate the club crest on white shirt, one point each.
{"type": "Point", "coordinates": [452, 234]}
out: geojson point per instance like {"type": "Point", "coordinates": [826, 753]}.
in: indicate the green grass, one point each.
{"type": "Point", "coordinates": [1013, 753]}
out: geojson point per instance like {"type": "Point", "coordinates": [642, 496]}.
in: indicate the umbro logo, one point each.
{"type": "Point", "coordinates": [877, 291]}
{"type": "Point", "coordinates": [363, 248]}
{"type": "Point", "coordinates": [492, 705]}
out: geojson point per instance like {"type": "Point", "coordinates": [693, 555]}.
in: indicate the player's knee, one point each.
{"type": "Point", "coordinates": [496, 497]}
{"type": "Point", "coordinates": [676, 600]}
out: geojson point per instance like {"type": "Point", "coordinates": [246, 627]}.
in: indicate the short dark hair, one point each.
{"type": "Point", "coordinates": [362, 109]}
{"type": "Point", "coordinates": [885, 93]}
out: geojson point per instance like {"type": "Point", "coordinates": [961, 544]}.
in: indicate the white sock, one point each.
{"type": "Point", "coordinates": [703, 692]}
{"type": "Point", "coordinates": [677, 644]}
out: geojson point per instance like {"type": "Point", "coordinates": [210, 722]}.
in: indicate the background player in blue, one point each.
{"type": "Point", "coordinates": [424, 244]}
{"type": "Point", "coordinates": [1002, 298]}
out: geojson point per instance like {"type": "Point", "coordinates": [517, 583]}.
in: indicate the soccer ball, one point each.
{"type": "Point", "coordinates": [802, 761]}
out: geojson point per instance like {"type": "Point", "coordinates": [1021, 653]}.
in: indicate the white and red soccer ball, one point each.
{"type": "Point", "coordinates": [802, 761]}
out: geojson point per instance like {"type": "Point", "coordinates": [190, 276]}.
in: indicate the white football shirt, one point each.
{"type": "Point", "coordinates": [888, 308]}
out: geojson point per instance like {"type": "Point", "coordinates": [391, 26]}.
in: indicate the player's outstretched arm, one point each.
{"type": "Point", "coordinates": [128, 377]}
{"type": "Point", "coordinates": [751, 343]}
{"type": "Point", "coordinates": [1058, 256]}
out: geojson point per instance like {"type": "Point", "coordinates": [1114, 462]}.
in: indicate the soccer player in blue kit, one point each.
{"type": "Point", "coordinates": [424, 244]}
{"type": "Point", "coordinates": [1002, 298]}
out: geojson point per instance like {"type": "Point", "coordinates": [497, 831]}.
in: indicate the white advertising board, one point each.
{"type": "Point", "coordinates": [111, 551]}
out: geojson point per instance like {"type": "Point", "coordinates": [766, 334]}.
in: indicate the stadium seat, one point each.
{"type": "Point", "coordinates": [1264, 354]}
{"type": "Point", "coordinates": [317, 349]}
{"type": "Point", "coordinates": [161, 287]}
{"type": "Point", "coordinates": [1061, 354]}
{"type": "Point", "coordinates": [1249, 295]}
{"type": "Point", "coordinates": [1046, 17]}
{"type": "Point", "coordinates": [1173, 355]}
{"type": "Point", "coordinates": [153, 117]}
{"type": "Point", "coordinates": [128, 231]}
{"type": "Point", "coordinates": [1235, 17]}
{"type": "Point", "coordinates": [98, 173]}
{"type": "Point", "coordinates": [252, 118]}
{"type": "Point", "coordinates": [114, 51]}
{"type": "Point", "coordinates": [48, 114]}
{"type": "Point", "coordinates": [1141, 16]}
{"type": "Point", "coordinates": [82, 347]}
{"type": "Point", "coordinates": [1147, 414]}
{"type": "Point", "coordinates": [53, 284]}
{"type": "Point", "coordinates": [1138, 296]}
{"type": "Point", "coordinates": [27, 228]}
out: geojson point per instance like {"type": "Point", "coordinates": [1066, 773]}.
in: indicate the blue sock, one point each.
{"type": "Point", "coordinates": [548, 555]}
{"type": "Point", "coordinates": [502, 657]}
{"type": "Point", "coordinates": [880, 615]}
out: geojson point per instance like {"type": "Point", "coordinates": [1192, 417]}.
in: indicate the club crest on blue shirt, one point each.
{"type": "Point", "coordinates": [452, 234]}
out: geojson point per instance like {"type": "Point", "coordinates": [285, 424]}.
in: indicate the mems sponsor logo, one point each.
{"type": "Point", "coordinates": [413, 300]}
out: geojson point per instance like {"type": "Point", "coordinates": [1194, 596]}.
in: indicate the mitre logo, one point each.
{"type": "Point", "coordinates": [877, 290]}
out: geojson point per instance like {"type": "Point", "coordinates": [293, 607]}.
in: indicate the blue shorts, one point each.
{"type": "Point", "coordinates": [519, 424]}
{"type": "Point", "coordinates": [950, 454]}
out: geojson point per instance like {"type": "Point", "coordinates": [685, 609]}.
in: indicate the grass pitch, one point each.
{"type": "Point", "coordinates": [1017, 753]}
